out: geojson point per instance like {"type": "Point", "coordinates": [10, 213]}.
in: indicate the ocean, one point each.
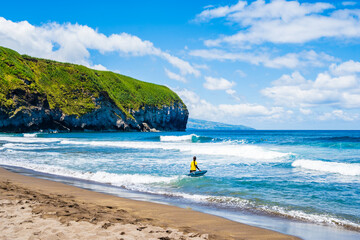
{"type": "Point", "coordinates": [304, 183]}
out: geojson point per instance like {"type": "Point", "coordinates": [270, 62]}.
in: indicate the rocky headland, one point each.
{"type": "Point", "coordinates": [39, 94]}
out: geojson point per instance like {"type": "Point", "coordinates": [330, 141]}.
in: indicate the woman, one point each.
{"type": "Point", "coordinates": [193, 165]}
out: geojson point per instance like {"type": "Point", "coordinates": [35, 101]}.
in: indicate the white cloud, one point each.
{"type": "Point", "coordinates": [348, 3]}
{"type": "Point", "coordinates": [305, 111]}
{"type": "Point", "coordinates": [230, 91]}
{"type": "Point", "coordinates": [202, 109]}
{"type": "Point", "coordinates": [241, 73]}
{"type": "Point", "coordinates": [216, 54]}
{"type": "Point", "coordinates": [280, 9]}
{"type": "Point", "coordinates": [285, 22]}
{"type": "Point", "coordinates": [289, 80]}
{"type": "Point", "coordinates": [72, 42]}
{"type": "Point", "coordinates": [325, 81]}
{"type": "Point", "coordinates": [212, 12]}
{"type": "Point", "coordinates": [341, 91]}
{"type": "Point", "coordinates": [201, 66]}
{"type": "Point", "coordinates": [190, 97]}
{"type": "Point", "coordinates": [250, 110]}
{"type": "Point", "coordinates": [233, 94]}
{"type": "Point", "coordinates": [185, 67]}
{"type": "Point", "coordinates": [218, 83]}
{"type": "Point", "coordinates": [303, 96]}
{"type": "Point", "coordinates": [338, 114]}
{"type": "Point", "coordinates": [198, 108]}
{"type": "Point", "coordinates": [175, 76]}
{"type": "Point", "coordinates": [290, 60]}
{"type": "Point", "coordinates": [99, 67]}
{"type": "Point", "coordinates": [348, 67]}
{"type": "Point", "coordinates": [351, 99]}
{"type": "Point", "coordinates": [221, 84]}
{"type": "Point", "coordinates": [301, 59]}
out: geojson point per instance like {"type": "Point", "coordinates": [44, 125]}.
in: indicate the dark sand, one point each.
{"type": "Point", "coordinates": [32, 208]}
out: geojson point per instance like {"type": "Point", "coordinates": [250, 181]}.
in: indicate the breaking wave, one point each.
{"type": "Point", "coordinates": [145, 184]}
{"type": "Point", "coordinates": [339, 139]}
{"type": "Point", "coordinates": [350, 169]}
{"type": "Point", "coordinates": [29, 140]}
{"type": "Point", "coordinates": [148, 184]}
{"type": "Point", "coordinates": [245, 151]}
{"type": "Point", "coordinates": [28, 135]}
{"type": "Point", "coordinates": [249, 205]}
{"type": "Point", "coordinates": [186, 138]}
{"type": "Point", "coordinates": [120, 180]}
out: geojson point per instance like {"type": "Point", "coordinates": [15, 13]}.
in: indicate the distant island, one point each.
{"type": "Point", "coordinates": [40, 94]}
{"type": "Point", "coordinates": [196, 124]}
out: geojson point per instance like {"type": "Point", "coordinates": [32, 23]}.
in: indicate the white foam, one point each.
{"type": "Point", "coordinates": [145, 183]}
{"type": "Point", "coordinates": [242, 141]}
{"type": "Point", "coordinates": [242, 151]}
{"type": "Point", "coordinates": [30, 134]}
{"type": "Point", "coordinates": [277, 210]}
{"type": "Point", "coordinates": [350, 169]}
{"type": "Point", "coordinates": [13, 146]}
{"type": "Point", "coordinates": [245, 151]}
{"type": "Point", "coordinates": [310, 217]}
{"type": "Point", "coordinates": [29, 139]}
{"type": "Point", "coordinates": [177, 138]}
{"type": "Point", "coordinates": [21, 146]}
{"type": "Point", "coordinates": [135, 182]}
{"type": "Point", "coordinates": [123, 180]}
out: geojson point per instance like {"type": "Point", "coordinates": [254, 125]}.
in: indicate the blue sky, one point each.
{"type": "Point", "coordinates": [265, 64]}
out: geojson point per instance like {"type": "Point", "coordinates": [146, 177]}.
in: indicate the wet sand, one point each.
{"type": "Point", "coordinates": [32, 208]}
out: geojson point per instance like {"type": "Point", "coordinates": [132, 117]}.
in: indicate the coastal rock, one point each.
{"type": "Point", "coordinates": [107, 116]}
{"type": "Point", "coordinates": [39, 94]}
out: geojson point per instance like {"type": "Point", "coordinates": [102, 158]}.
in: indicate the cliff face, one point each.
{"type": "Point", "coordinates": [106, 117]}
{"type": "Point", "coordinates": [37, 94]}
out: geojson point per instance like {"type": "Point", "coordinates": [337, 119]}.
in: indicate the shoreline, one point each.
{"type": "Point", "coordinates": [186, 221]}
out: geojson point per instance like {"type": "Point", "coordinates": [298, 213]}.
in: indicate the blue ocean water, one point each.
{"type": "Point", "coordinates": [306, 176]}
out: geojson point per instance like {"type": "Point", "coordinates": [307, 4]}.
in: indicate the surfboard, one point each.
{"type": "Point", "coordinates": [197, 173]}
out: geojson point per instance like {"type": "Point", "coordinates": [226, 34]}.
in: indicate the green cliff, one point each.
{"type": "Point", "coordinates": [72, 97]}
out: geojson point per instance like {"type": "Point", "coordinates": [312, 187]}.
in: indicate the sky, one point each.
{"type": "Point", "coordinates": [264, 64]}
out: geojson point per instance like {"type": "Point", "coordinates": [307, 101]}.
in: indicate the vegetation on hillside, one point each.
{"type": "Point", "coordinates": [71, 88]}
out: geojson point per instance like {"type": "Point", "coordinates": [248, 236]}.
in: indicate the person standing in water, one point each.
{"type": "Point", "coordinates": [193, 165]}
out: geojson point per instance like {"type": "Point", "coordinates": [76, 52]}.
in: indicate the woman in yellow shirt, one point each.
{"type": "Point", "coordinates": [193, 165]}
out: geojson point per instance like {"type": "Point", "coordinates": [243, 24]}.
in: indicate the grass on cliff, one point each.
{"type": "Point", "coordinates": [72, 88]}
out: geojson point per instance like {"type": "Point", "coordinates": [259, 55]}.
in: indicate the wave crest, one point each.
{"type": "Point", "coordinates": [244, 151]}
{"type": "Point", "coordinates": [186, 138]}
{"type": "Point", "coordinates": [29, 139]}
{"type": "Point", "coordinates": [30, 135]}
{"type": "Point", "coordinates": [350, 169]}
{"type": "Point", "coordinates": [120, 180]}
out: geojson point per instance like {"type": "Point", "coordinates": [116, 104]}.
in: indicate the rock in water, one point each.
{"type": "Point", "coordinates": [39, 94]}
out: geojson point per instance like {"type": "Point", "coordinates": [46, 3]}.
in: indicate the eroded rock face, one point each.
{"type": "Point", "coordinates": [167, 118]}
{"type": "Point", "coordinates": [38, 116]}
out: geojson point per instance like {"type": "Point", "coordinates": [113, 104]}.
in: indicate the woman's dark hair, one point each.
{"type": "Point", "coordinates": [194, 157]}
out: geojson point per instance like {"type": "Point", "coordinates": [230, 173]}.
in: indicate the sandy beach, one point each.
{"type": "Point", "coordinates": [32, 208]}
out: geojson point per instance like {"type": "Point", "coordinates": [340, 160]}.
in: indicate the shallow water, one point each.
{"type": "Point", "coordinates": [310, 177]}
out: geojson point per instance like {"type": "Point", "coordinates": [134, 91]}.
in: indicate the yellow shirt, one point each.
{"type": "Point", "coordinates": [193, 165]}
